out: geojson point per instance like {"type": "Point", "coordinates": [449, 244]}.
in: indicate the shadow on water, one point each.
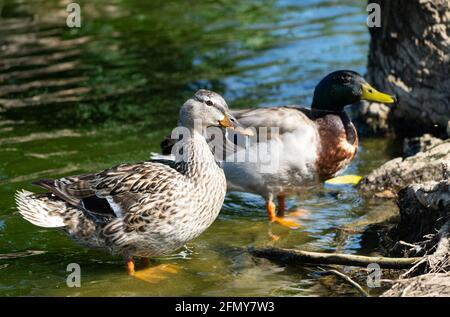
{"type": "Point", "coordinates": [78, 100]}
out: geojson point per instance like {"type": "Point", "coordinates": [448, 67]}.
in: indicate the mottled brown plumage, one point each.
{"type": "Point", "coordinates": [142, 209]}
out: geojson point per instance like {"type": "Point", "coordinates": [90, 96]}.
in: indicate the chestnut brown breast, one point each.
{"type": "Point", "coordinates": [338, 144]}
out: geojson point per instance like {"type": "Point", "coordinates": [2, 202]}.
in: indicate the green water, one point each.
{"type": "Point", "coordinates": [112, 92]}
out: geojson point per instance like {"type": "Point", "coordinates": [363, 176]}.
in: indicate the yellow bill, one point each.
{"type": "Point", "coordinates": [225, 122]}
{"type": "Point", "coordinates": [371, 94]}
{"type": "Point", "coordinates": [232, 123]}
{"type": "Point", "coordinates": [344, 180]}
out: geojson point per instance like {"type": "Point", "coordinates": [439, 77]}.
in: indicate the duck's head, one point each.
{"type": "Point", "coordinates": [344, 87]}
{"type": "Point", "coordinates": [208, 109]}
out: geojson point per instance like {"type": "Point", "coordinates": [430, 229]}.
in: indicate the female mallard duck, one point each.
{"type": "Point", "coordinates": [145, 209]}
{"type": "Point", "coordinates": [312, 145]}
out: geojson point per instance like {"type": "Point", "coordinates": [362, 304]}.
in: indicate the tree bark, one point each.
{"type": "Point", "coordinates": [409, 56]}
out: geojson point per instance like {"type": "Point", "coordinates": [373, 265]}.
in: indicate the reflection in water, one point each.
{"type": "Point", "coordinates": [79, 100]}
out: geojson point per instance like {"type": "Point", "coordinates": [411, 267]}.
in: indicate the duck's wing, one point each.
{"type": "Point", "coordinates": [118, 192]}
{"type": "Point", "coordinates": [287, 118]}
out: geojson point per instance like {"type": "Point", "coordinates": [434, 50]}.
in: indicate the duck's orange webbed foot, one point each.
{"type": "Point", "coordinates": [299, 213]}
{"type": "Point", "coordinates": [282, 209]}
{"type": "Point", "coordinates": [285, 222]}
{"type": "Point", "coordinates": [152, 274]}
{"type": "Point", "coordinates": [291, 224]}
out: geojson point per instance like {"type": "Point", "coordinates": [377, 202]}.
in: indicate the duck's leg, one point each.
{"type": "Point", "coordinates": [281, 205]}
{"type": "Point", "coordinates": [152, 274]}
{"type": "Point", "coordinates": [144, 262]}
{"type": "Point", "coordinates": [271, 213]}
{"type": "Point", "coordinates": [282, 209]}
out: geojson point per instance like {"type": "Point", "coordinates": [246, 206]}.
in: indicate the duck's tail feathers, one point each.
{"type": "Point", "coordinates": [62, 189]}
{"type": "Point", "coordinates": [40, 209]}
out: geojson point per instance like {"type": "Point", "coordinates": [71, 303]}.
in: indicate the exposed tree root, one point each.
{"type": "Point", "coordinates": [347, 279]}
{"type": "Point", "coordinates": [299, 257]}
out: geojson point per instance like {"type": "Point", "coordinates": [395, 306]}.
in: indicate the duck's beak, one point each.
{"type": "Point", "coordinates": [229, 121]}
{"type": "Point", "coordinates": [371, 94]}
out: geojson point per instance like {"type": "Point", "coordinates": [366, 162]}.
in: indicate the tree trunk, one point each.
{"type": "Point", "coordinates": [410, 57]}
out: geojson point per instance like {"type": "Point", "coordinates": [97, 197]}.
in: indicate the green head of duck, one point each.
{"type": "Point", "coordinates": [345, 87]}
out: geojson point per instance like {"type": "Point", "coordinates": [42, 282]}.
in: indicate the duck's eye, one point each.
{"type": "Point", "coordinates": [370, 91]}
{"type": "Point", "coordinates": [209, 102]}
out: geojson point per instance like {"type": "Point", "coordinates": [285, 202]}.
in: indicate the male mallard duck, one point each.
{"type": "Point", "coordinates": [145, 209]}
{"type": "Point", "coordinates": [313, 145]}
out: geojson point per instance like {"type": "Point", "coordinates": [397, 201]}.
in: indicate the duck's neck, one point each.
{"type": "Point", "coordinates": [350, 130]}
{"type": "Point", "coordinates": [319, 113]}
{"type": "Point", "coordinates": [196, 159]}
{"type": "Point", "coordinates": [338, 120]}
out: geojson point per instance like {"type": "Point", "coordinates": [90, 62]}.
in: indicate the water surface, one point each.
{"type": "Point", "coordinates": [80, 100]}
